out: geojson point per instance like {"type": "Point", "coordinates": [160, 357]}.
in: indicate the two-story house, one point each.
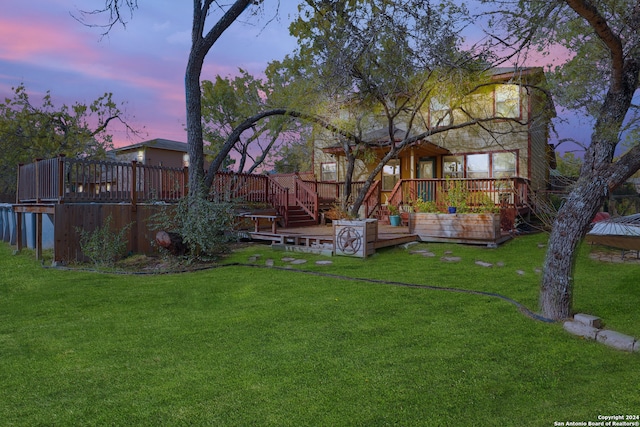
{"type": "Point", "coordinates": [509, 148]}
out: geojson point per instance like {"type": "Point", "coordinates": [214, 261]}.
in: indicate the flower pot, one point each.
{"type": "Point", "coordinates": [394, 220]}
{"type": "Point", "coordinates": [452, 209]}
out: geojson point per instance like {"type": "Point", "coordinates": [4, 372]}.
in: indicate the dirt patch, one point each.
{"type": "Point", "coordinates": [604, 254]}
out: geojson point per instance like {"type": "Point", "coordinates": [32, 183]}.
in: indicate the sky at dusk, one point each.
{"type": "Point", "coordinates": [44, 47]}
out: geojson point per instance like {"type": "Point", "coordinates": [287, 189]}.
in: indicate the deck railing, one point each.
{"type": "Point", "coordinates": [334, 191]}
{"type": "Point", "coordinates": [64, 179]}
{"type": "Point", "coordinates": [372, 200]}
{"type": "Point", "coordinates": [307, 198]}
{"type": "Point", "coordinates": [239, 187]}
{"type": "Point", "coordinates": [278, 196]}
{"type": "Point", "coordinates": [504, 192]}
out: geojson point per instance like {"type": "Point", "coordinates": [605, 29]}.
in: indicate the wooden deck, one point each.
{"type": "Point", "coordinates": [320, 238]}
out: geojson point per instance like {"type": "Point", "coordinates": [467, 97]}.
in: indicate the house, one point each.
{"type": "Point", "coordinates": [155, 152]}
{"type": "Point", "coordinates": [512, 150]}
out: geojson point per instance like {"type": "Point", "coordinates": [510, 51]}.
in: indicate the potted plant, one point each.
{"type": "Point", "coordinates": [394, 215]}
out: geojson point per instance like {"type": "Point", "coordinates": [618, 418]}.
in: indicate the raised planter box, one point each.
{"type": "Point", "coordinates": [483, 228]}
{"type": "Point", "coordinates": [355, 238]}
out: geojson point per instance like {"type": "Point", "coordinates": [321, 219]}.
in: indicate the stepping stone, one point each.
{"type": "Point", "coordinates": [448, 252]}
{"type": "Point", "coordinates": [428, 254]}
{"type": "Point", "coordinates": [418, 251]}
{"type": "Point", "coordinates": [324, 262]}
{"type": "Point", "coordinates": [537, 270]}
{"type": "Point", "coordinates": [408, 245]}
{"type": "Point", "coordinates": [298, 261]}
{"type": "Point", "coordinates": [253, 259]}
{"type": "Point", "coordinates": [287, 259]}
{"type": "Point", "coordinates": [484, 264]}
{"type": "Point", "coordinates": [269, 262]}
{"type": "Point", "coordinates": [500, 264]}
{"type": "Point", "coordinates": [541, 245]}
{"type": "Point", "coordinates": [450, 259]}
{"type": "Point", "coordinates": [520, 272]}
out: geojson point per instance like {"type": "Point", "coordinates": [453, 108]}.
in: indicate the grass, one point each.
{"type": "Point", "coordinates": [255, 346]}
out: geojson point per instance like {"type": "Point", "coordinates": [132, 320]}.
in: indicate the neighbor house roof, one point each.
{"type": "Point", "coordinates": [164, 144]}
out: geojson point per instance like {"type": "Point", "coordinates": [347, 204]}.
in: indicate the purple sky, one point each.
{"type": "Point", "coordinates": [44, 47]}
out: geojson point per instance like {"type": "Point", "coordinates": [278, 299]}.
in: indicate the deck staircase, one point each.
{"type": "Point", "coordinates": [297, 217]}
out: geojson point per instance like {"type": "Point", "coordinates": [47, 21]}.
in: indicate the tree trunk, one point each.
{"type": "Point", "coordinates": [556, 293]}
{"type": "Point", "coordinates": [194, 122]}
{"type": "Point", "coordinates": [348, 180]}
{"type": "Point", "coordinates": [172, 242]}
{"type": "Point", "coordinates": [598, 176]}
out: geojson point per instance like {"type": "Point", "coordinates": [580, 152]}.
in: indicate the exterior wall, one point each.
{"type": "Point", "coordinates": [529, 142]}
{"type": "Point", "coordinates": [89, 216]}
{"type": "Point", "coordinates": [153, 157]}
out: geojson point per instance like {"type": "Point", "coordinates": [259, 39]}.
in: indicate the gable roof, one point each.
{"type": "Point", "coordinates": [163, 144]}
{"type": "Point", "coordinates": [379, 139]}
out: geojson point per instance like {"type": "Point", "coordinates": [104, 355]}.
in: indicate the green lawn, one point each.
{"type": "Point", "coordinates": [239, 346]}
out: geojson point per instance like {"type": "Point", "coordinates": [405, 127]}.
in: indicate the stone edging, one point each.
{"type": "Point", "coordinates": [587, 326]}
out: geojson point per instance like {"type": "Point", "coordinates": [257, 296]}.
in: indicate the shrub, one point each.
{"type": "Point", "coordinates": [206, 227]}
{"type": "Point", "coordinates": [103, 245]}
{"type": "Point", "coordinates": [427, 206]}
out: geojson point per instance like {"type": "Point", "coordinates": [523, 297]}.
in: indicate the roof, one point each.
{"type": "Point", "coordinates": [163, 144]}
{"type": "Point", "coordinates": [379, 138]}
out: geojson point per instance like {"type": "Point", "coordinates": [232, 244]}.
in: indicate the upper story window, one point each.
{"type": "Point", "coordinates": [390, 174]}
{"type": "Point", "coordinates": [439, 113]}
{"type": "Point", "coordinates": [329, 172]}
{"type": "Point", "coordinates": [507, 99]}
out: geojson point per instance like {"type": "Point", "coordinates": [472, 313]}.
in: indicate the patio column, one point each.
{"type": "Point", "coordinates": [412, 168]}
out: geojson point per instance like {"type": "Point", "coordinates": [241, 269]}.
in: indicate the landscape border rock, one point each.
{"type": "Point", "coordinates": [588, 326]}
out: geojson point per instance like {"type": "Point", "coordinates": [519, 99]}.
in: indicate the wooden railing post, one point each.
{"type": "Point", "coordinates": [134, 193]}
{"type": "Point", "coordinates": [37, 167]}
{"type": "Point", "coordinates": [61, 177]}
{"type": "Point", "coordinates": [18, 184]}
{"type": "Point", "coordinates": [185, 181]}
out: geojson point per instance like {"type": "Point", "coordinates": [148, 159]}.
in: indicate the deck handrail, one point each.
{"type": "Point", "coordinates": [239, 187]}
{"type": "Point", "coordinates": [278, 197]}
{"type": "Point", "coordinates": [371, 200]}
{"type": "Point", "coordinates": [307, 198]}
{"type": "Point", "coordinates": [505, 192]}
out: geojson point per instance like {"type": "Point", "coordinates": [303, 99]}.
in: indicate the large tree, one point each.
{"type": "Point", "coordinates": [229, 101]}
{"type": "Point", "coordinates": [29, 131]}
{"type": "Point", "coordinates": [599, 79]}
{"type": "Point", "coordinates": [203, 37]}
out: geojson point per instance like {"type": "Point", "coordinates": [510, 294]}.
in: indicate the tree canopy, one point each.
{"type": "Point", "coordinates": [29, 131]}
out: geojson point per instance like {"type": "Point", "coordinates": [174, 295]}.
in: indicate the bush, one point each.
{"type": "Point", "coordinates": [103, 245]}
{"type": "Point", "coordinates": [206, 227]}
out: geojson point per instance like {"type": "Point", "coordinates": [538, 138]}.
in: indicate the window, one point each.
{"type": "Point", "coordinates": [328, 172]}
{"type": "Point", "coordinates": [478, 165]}
{"type": "Point", "coordinates": [439, 113]}
{"type": "Point", "coordinates": [390, 174]}
{"type": "Point", "coordinates": [507, 101]}
{"type": "Point", "coordinates": [453, 166]}
{"type": "Point", "coordinates": [503, 165]}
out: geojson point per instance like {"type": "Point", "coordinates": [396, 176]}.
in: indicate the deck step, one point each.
{"type": "Point", "coordinates": [297, 217]}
